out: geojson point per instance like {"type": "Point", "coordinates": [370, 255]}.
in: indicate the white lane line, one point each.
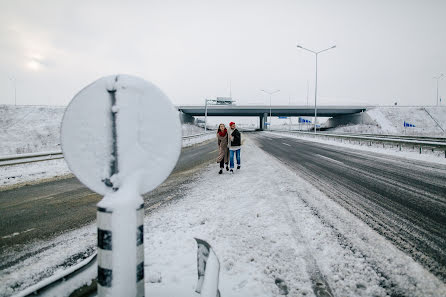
{"type": "Point", "coordinates": [286, 144]}
{"type": "Point", "coordinates": [17, 233]}
{"type": "Point", "coordinates": [330, 159]}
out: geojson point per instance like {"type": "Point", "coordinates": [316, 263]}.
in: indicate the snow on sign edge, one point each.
{"type": "Point", "coordinates": [86, 133]}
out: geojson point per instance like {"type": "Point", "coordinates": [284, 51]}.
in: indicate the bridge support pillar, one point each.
{"type": "Point", "coordinates": [263, 120]}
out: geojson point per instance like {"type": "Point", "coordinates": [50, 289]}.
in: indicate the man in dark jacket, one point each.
{"type": "Point", "coordinates": [234, 144]}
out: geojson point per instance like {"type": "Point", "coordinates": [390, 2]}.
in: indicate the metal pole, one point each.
{"type": "Point", "coordinates": [315, 99]}
{"type": "Point", "coordinates": [205, 115]}
{"type": "Point", "coordinates": [315, 89]}
{"type": "Point", "coordinates": [438, 78]}
{"type": "Point", "coordinates": [269, 112]}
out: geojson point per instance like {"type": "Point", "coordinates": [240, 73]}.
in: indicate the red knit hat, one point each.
{"type": "Point", "coordinates": [231, 123]}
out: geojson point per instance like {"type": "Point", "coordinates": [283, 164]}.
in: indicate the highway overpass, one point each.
{"type": "Point", "coordinates": [262, 111]}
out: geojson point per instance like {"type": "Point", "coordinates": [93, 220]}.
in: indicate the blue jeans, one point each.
{"type": "Point", "coordinates": [231, 157]}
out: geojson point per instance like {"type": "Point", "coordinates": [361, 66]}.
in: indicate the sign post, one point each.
{"type": "Point", "coordinates": [121, 137]}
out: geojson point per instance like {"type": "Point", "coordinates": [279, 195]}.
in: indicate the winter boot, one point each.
{"type": "Point", "coordinates": [232, 171]}
{"type": "Point", "coordinates": [221, 171]}
{"type": "Point", "coordinates": [238, 166]}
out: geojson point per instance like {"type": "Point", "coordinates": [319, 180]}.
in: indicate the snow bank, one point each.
{"type": "Point", "coordinates": [30, 129]}
{"type": "Point", "coordinates": [189, 129]}
{"type": "Point", "coordinates": [188, 141]}
{"type": "Point", "coordinates": [30, 172]}
{"type": "Point", "coordinates": [428, 121]}
{"type": "Point", "coordinates": [27, 129]}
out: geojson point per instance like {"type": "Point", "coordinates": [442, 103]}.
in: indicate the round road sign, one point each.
{"type": "Point", "coordinates": [121, 129]}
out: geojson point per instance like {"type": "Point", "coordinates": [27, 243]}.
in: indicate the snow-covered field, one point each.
{"type": "Point", "coordinates": [428, 121]}
{"type": "Point", "coordinates": [28, 129]}
{"type": "Point", "coordinates": [261, 223]}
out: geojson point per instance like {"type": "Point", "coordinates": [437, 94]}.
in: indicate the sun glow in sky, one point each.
{"type": "Point", "coordinates": [386, 51]}
{"type": "Point", "coordinates": [34, 63]}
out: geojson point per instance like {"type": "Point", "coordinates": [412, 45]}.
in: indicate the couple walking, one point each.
{"type": "Point", "coordinates": [229, 144]}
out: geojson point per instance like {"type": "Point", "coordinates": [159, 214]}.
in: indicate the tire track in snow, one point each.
{"type": "Point", "coordinates": [406, 206]}
{"type": "Point", "coordinates": [320, 285]}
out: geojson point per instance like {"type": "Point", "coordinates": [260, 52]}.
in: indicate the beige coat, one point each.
{"type": "Point", "coordinates": [223, 151]}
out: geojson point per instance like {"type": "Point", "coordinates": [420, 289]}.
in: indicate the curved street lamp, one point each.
{"type": "Point", "coordinates": [315, 88]}
{"type": "Point", "coordinates": [270, 94]}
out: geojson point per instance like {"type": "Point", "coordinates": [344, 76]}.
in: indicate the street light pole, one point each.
{"type": "Point", "coordinates": [438, 78]}
{"type": "Point", "coordinates": [315, 87]}
{"type": "Point", "coordinates": [270, 94]}
{"type": "Point", "coordinates": [205, 115]}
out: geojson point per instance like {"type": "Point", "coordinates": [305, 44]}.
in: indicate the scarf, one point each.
{"type": "Point", "coordinates": [222, 133]}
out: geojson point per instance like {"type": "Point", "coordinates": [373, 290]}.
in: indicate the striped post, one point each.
{"type": "Point", "coordinates": [106, 253]}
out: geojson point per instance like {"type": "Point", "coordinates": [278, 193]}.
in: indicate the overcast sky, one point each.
{"type": "Point", "coordinates": [386, 50]}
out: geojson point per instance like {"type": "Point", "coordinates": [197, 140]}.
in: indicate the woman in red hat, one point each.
{"type": "Point", "coordinates": [223, 152]}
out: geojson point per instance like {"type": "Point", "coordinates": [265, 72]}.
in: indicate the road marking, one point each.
{"type": "Point", "coordinates": [169, 198]}
{"type": "Point", "coordinates": [330, 159]}
{"type": "Point", "coordinates": [286, 144]}
{"type": "Point", "coordinates": [17, 233]}
{"type": "Point", "coordinates": [154, 206]}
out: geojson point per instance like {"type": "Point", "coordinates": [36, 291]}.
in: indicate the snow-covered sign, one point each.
{"type": "Point", "coordinates": [121, 129]}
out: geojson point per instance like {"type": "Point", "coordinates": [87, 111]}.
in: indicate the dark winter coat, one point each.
{"type": "Point", "coordinates": [236, 138]}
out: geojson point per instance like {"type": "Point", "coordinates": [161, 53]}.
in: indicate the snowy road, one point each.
{"type": "Point", "coordinates": [403, 200]}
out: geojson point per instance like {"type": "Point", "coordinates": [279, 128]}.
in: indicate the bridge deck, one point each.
{"type": "Point", "coordinates": [277, 110]}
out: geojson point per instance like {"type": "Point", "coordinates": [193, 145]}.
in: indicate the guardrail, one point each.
{"type": "Point", "coordinates": [30, 158]}
{"type": "Point", "coordinates": [45, 156]}
{"type": "Point", "coordinates": [405, 137]}
{"type": "Point", "coordinates": [49, 285]}
{"type": "Point", "coordinates": [432, 145]}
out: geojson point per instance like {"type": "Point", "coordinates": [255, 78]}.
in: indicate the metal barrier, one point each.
{"type": "Point", "coordinates": [45, 156]}
{"type": "Point", "coordinates": [433, 145]}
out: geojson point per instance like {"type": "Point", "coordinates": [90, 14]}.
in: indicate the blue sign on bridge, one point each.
{"type": "Point", "coordinates": [301, 120]}
{"type": "Point", "coordinates": [406, 124]}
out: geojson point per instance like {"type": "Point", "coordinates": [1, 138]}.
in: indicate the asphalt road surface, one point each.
{"type": "Point", "coordinates": [45, 210]}
{"type": "Point", "coordinates": [403, 200]}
